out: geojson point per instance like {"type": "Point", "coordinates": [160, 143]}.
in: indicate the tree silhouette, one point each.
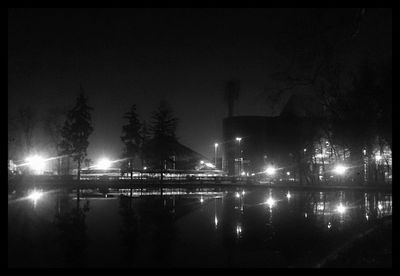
{"type": "Point", "coordinates": [131, 137]}
{"type": "Point", "coordinates": [53, 122]}
{"type": "Point", "coordinates": [163, 128]}
{"type": "Point", "coordinates": [76, 131]}
{"type": "Point", "coordinates": [27, 121]}
{"type": "Point", "coordinates": [145, 136]}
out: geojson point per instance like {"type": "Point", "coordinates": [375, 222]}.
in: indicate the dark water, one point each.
{"type": "Point", "coordinates": [183, 228]}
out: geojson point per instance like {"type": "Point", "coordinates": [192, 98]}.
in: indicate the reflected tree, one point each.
{"type": "Point", "coordinates": [228, 230]}
{"type": "Point", "coordinates": [160, 223]}
{"type": "Point", "coordinates": [129, 227]}
{"type": "Point", "coordinates": [73, 237]}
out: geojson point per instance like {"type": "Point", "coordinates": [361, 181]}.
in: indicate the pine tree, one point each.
{"type": "Point", "coordinates": [163, 130]}
{"type": "Point", "coordinates": [76, 131]}
{"type": "Point", "coordinates": [145, 135]}
{"type": "Point", "coordinates": [131, 137]}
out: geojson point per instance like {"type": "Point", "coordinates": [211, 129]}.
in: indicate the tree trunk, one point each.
{"type": "Point", "coordinates": [79, 169]}
{"type": "Point", "coordinates": [131, 168]}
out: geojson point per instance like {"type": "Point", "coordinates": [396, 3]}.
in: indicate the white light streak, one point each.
{"type": "Point", "coordinates": [103, 164]}
{"type": "Point", "coordinates": [340, 169]}
{"type": "Point", "coordinates": [36, 163]}
{"type": "Point", "coordinates": [270, 202]}
{"type": "Point", "coordinates": [341, 209]}
{"type": "Point", "coordinates": [270, 171]}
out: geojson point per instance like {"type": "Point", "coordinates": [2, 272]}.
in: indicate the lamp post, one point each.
{"type": "Point", "coordinates": [215, 153]}
{"type": "Point", "coordinates": [240, 154]}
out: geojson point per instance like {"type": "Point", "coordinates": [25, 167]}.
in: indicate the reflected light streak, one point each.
{"type": "Point", "coordinates": [341, 209]}
{"type": "Point", "coordinates": [35, 196]}
{"type": "Point", "coordinates": [238, 230]}
{"type": "Point", "coordinates": [270, 202]}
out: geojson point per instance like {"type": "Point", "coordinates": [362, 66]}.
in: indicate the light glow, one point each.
{"type": "Point", "coordinates": [36, 163]}
{"type": "Point", "coordinates": [288, 195]}
{"type": "Point", "coordinates": [238, 230]}
{"type": "Point", "coordinates": [237, 195]}
{"type": "Point", "coordinates": [270, 171]}
{"type": "Point", "coordinates": [209, 165]}
{"type": "Point", "coordinates": [103, 164]}
{"type": "Point", "coordinates": [238, 139]}
{"type": "Point", "coordinates": [340, 169]}
{"type": "Point", "coordinates": [341, 209]}
{"type": "Point", "coordinates": [35, 195]}
{"type": "Point", "coordinates": [271, 202]}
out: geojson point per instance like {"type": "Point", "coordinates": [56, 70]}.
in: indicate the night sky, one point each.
{"type": "Point", "coordinates": [141, 56]}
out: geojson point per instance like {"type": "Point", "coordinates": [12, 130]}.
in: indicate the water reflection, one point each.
{"type": "Point", "coordinates": [72, 227]}
{"type": "Point", "coordinates": [172, 227]}
{"type": "Point", "coordinates": [129, 227]}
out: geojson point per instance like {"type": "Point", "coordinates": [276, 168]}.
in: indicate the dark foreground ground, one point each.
{"type": "Point", "coordinates": [371, 249]}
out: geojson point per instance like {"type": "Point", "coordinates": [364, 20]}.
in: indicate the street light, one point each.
{"type": "Point", "coordinates": [36, 163]}
{"type": "Point", "coordinates": [340, 169]}
{"type": "Point", "coordinates": [341, 209]}
{"type": "Point", "coordinates": [215, 153]}
{"type": "Point", "coordinates": [378, 157]}
{"type": "Point", "coordinates": [240, 154]}
{"type": "Point", "coordinates": [270, 171]}
{"type": "Point", "coordinates": [103, 164]}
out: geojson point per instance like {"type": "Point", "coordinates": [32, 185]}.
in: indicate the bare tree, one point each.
{"type": "Point", "coordinates": [27, 121]}
{"type": "Point", "coordinates": [53, 122]}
